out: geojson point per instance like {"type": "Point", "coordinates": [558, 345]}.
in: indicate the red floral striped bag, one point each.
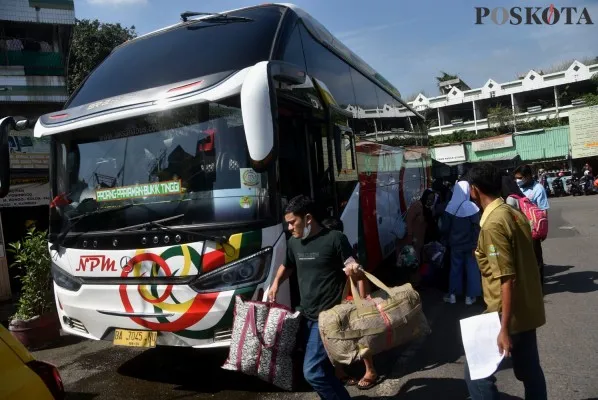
{"type": "Point", "coordinates": [263, 341]}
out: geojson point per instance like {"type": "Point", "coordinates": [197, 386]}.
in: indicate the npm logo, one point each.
{"type": "Point", "coordinates": [551, 15]}
{"type": "Point", "coordinates": [91, 263]}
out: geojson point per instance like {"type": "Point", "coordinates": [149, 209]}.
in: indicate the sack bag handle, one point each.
{"type": "Point", "coordinates": [253, 326]}
{"type": "Point", "coordinates": [359, 303]}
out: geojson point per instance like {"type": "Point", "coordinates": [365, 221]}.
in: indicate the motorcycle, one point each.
{"type": "Point", "coordinates": [574, 186]}
{"type": "Point", "coordinates": [558, 187]}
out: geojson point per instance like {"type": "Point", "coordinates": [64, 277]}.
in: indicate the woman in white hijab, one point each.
{"type": "Point", "coordinates": [460, 226]}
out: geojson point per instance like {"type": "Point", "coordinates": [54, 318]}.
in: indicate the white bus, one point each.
{"type": "Point", "coordinates": [172, 162]}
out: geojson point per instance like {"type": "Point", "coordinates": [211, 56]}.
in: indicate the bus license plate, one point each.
{"type": "Point", "coordinates": [124, 337]}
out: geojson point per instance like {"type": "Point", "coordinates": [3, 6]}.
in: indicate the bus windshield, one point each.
{"type": "Point", "coordinates": [189, 51]}
{"type": "Point", "coordinates": [190, 160]}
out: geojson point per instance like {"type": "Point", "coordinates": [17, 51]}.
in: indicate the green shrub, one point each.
{"type": "Point", "coordinates": [32, 259]}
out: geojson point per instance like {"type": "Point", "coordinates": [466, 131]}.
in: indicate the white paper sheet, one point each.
{"type": "Point", "coordinates": [479, 336]}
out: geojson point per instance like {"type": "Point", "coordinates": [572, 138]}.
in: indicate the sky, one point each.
{"type": "Point", "coordinates": [407, 42]}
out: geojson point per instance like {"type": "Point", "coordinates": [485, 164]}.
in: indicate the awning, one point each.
{"type": "Point", "coordinates": [489, 159]}
{"type": "Point", "coordinates": [454, 163]}
{"type": "Point", "coordinates": [495, 159]}
{"type": "Point", "coordinates": [548, 160]}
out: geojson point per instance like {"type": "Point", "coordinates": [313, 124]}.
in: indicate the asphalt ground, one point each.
{"type": "Point", "coordinates": [431, 368]}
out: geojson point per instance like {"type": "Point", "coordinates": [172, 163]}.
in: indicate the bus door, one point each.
{"type": "Point", "coordinates": [297, 159]}
{"type": "Point", "coordinates": [304, 160]}
{"type": "Point", "coordinates": [301, 161]}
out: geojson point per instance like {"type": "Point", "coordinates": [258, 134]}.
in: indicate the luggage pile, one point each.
{"type": "Point", "coordinates": [264, 334]}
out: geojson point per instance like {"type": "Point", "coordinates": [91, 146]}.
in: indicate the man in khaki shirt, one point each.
{"type": "Point", "coordinates": [511, 284]}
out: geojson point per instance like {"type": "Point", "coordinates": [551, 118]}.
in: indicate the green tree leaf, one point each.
{"type": "Point", "coordinates": [92, 42]}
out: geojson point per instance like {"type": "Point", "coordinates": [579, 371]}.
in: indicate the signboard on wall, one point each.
{"type": "Point", "coordinates": [27, 152]}
{"type": "Point", "coordinates": [27, 195]}
{"type": "Point", "coordinates": [29, 160]}
{"type": "Point", "coordinates": [492, 144]}
{"type": "Point", "coordinates": [583, 132]}
{"type": "Point", "coordinates": [448, 154]}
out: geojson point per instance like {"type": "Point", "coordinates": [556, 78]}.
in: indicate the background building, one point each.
{"type": "Point", "coordinates": [541, 119]}
{"type": "Point", "coordinates": [35, 37]}
{"type": "Point", "coordinates": [535, 96]}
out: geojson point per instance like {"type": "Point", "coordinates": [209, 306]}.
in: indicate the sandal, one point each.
{"type": "Point", "coordinates": [370, 383]}
{"type": "Point", "coordinates": [349, 381]}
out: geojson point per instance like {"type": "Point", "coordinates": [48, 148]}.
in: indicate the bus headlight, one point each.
{"type": "Point", "coordinates": [248, 271]}
{"type": "Point", "coordinates": [65, 280]}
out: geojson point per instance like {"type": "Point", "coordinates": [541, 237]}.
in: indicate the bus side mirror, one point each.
{"type": "Point", "coordinates": [22, 124]}
{"type": "Point", "coordinates": [258, 108]}
{"type": "Point", "coordinates": [6, 124]}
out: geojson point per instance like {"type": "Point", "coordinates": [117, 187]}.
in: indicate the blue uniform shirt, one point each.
{"type": "Point", "coordinates": [537, 194]}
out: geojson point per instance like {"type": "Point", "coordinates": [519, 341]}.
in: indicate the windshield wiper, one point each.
{"type": "Point", "coordinates": [158, 224]}
{"type": "Point", "coordinates": [149, 224]}
{"type": "Point", "coordinates": [76, 219]}
{"type": "Point", "coordinates": [100, 211]}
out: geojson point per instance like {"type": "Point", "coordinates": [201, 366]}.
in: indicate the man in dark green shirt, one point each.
{"type": "Point", "coordinates": [323, 259]}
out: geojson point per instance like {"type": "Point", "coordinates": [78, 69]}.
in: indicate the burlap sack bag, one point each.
{"type": "Point", "coordinates": [392, 317]}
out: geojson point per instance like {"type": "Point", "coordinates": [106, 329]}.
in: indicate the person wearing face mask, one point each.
{"type": "Point", "coordinates": [531, 188]}
{"type": "Point", "coordinates": [323, 259]}
{"type": "Point", "coordinates": [460, 225]}
{"type": "Point", "coordinates": [534, 191]}
{"type": "Point", "coordinates": [511, 285]}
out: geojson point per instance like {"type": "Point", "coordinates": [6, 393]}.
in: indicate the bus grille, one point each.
{"type": "Point", "coordinates": [223, 335]}
{"type": "Point", "coordinates": [75, 324]}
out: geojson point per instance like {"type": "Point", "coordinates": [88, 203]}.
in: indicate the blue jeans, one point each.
{"type": "Point", "coordinates": [526, 366]}
{"type": "Point", "coordinates": [464, 259]}
{"type": "Point", "coordinates": [318, 369]}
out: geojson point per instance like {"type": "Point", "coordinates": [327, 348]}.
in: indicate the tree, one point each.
{"type": "Point", "coordinates": [92, 42]}
{"type": "Point", "coordinates": [445, 77]}
{"type": "Point", "coordinates": [500, 119]}
{"type": "Point", "coordinates": [591, 99]}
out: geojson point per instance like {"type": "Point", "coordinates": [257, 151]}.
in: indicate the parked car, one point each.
{"type": "Point", "coordinates": [24, 377]}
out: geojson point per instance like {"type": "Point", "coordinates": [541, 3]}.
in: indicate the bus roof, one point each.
{"type": "Point", "coordinates": [323, 36]}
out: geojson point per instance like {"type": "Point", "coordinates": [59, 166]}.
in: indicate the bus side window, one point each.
{"type": "Point", "coordinates": [293, 52]}
{"type": "Point", "coordinates": [323, 169]}
{"type": "Point", "coordinates": [345, 163]}
{"type": "Point", "coordinates": [293, 159]}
